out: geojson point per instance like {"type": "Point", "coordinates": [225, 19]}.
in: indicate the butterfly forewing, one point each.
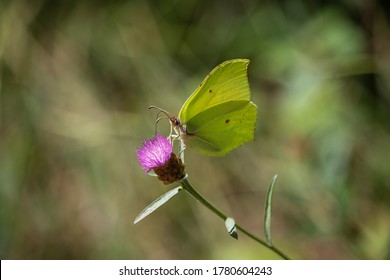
{"type": "Point", "coordinates": [227, 82]}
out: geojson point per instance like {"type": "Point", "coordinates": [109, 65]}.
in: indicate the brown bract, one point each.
{"type": "Point", "coordinates": [172, 171]}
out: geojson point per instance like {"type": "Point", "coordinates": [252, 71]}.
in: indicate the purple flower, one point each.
{"type": "Point", "coordinates": [154, 153]}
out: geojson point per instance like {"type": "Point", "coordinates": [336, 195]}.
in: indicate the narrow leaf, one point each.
{"type": "Point", "coordinates": [231, 227]}
{"type": "Point", "coordinates": [268, 211]}
{"type": "Point", "coordinates": [157, 203]}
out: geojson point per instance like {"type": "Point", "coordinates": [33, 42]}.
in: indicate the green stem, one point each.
{"type": "Point", "coordinates": [188, 187]}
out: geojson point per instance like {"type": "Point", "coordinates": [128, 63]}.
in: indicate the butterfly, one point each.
{"type": "Point", "coordinates": [218, 116]}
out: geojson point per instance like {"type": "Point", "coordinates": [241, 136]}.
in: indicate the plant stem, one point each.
{"type": "Point", "coordinates": [188, 187]}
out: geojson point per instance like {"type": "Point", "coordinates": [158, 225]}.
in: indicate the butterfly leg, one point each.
{"type": "Point", "coordinates": [182, 148]}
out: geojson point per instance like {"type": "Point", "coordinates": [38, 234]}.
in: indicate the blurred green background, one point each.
{"type": "Point", "coordinates": [77, 77]}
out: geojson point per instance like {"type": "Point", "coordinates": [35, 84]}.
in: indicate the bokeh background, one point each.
{"type": "Point", "coordinates": [77, 77]}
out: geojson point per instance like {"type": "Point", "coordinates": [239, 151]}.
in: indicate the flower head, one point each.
{"type": "Point", "coordinates": [154, 153]}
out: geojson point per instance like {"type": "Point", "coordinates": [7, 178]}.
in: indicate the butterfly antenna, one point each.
{"type": "Point", "coordinates": [171, 117]}
{"type": "Point", "coordinates": [157, 121]}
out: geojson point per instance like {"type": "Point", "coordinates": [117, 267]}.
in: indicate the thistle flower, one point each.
{"type": "Point", "coordinates": [156, 154]}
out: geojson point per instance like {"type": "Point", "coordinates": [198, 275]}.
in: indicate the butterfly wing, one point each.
{"type": "Point", "coordinates": [222, 128]}
{"type": "Point", "coordinates": [227, 82]}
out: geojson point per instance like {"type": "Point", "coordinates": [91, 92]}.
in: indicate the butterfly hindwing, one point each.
{"type": "Point", "coordinates": [222, 128]}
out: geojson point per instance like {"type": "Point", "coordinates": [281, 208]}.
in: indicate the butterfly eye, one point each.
{"type": "Point", "coordinates": [177, 122]}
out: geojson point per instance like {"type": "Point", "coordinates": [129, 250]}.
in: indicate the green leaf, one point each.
{"type": "Point", "coordinates": [157, 203]}
{"type": "Point", "coordinates": [268, 211]}
{"type": "Point", "coordinates": [230, 225]}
